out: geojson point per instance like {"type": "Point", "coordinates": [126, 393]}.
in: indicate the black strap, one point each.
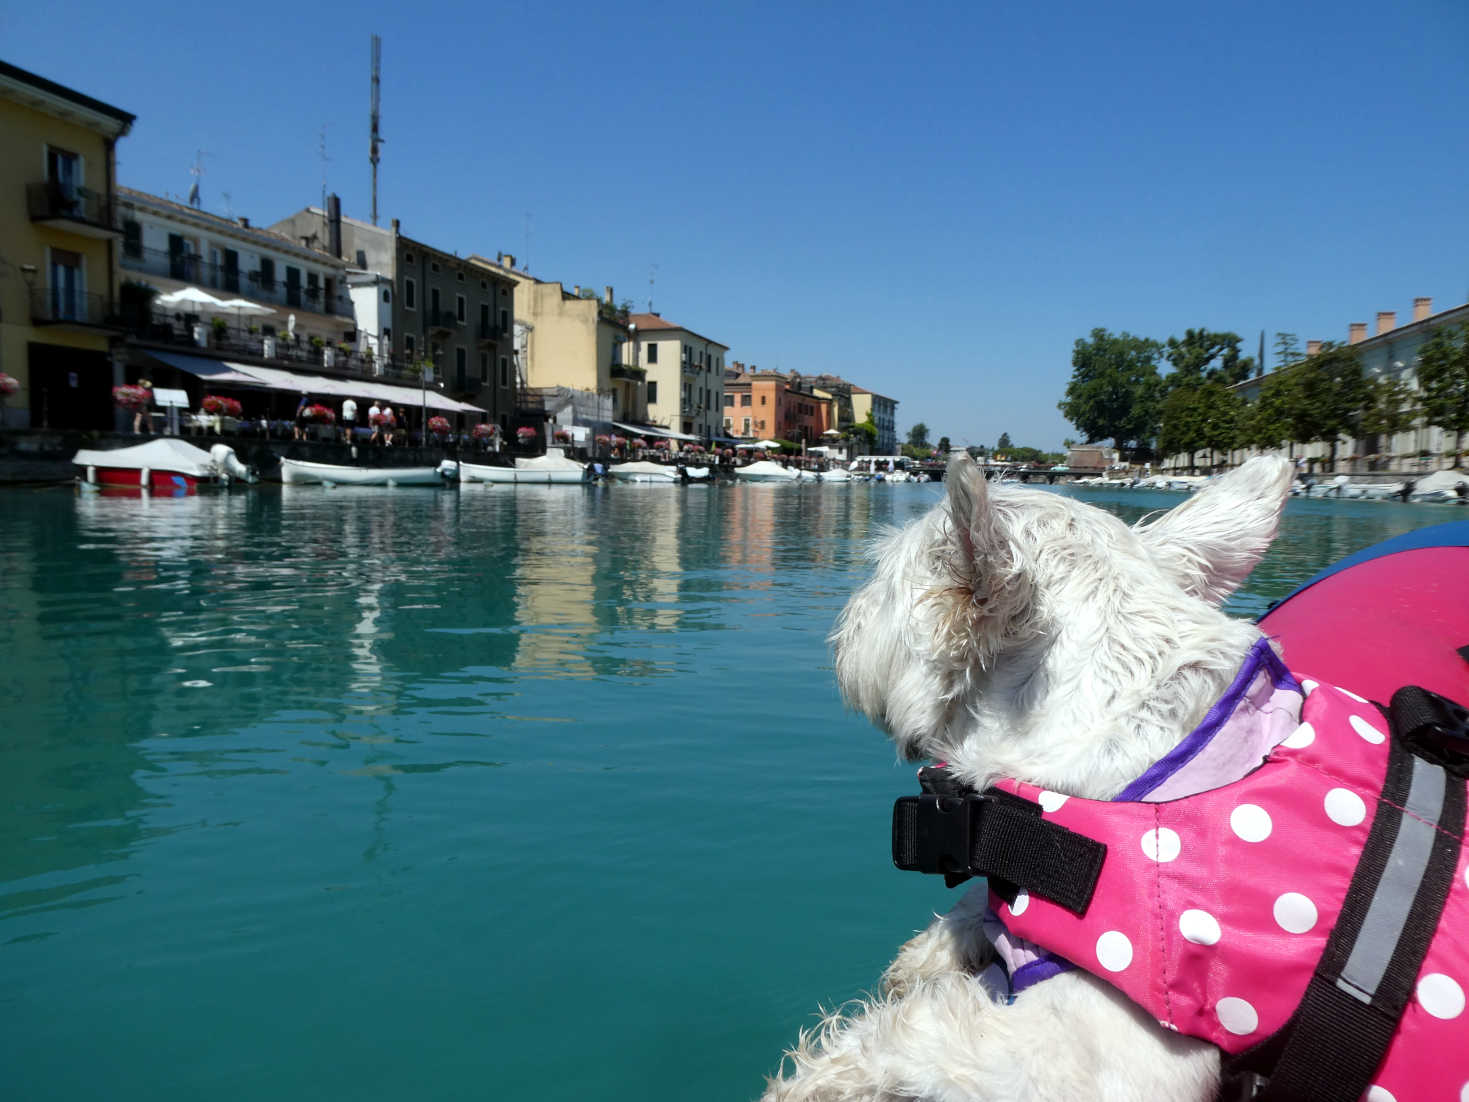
{"type": "Point", "coordinates": [1000, 836]}
{"type": "Point", "coordinates": [1434, 727]}
{"type": "Point", "coordinates": [1338, 1036]}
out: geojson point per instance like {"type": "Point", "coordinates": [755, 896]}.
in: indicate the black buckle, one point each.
{"type": "Point", "coordinates": [1434, 727]}
{"type": "Point", "coordinates": [933, 834]}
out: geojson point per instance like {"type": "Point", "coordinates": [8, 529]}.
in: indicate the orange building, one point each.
{"type": "Point", "coordinates": [768, 405]}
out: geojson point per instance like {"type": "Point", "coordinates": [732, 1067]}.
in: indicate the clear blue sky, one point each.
{"type": "Point", "coordinates": [933, 200]}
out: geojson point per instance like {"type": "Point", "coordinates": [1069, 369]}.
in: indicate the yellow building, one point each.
{"type": "Point", "coordinates": [58, 251]}
{"type": "Point", "coordinates": [572, 340]}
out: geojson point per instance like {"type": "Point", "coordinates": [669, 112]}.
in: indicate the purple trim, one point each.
{"type": "Point", "coordinates": [1042, 968]}
{"type": "Point", "coordinates": [1261, 657]}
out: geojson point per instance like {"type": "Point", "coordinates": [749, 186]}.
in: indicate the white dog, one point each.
{"type": "Point", "coordinates": [1017, 633]}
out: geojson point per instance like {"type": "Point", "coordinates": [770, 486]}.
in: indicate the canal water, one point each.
{"type": "Point", "coordinates": [393, 794]}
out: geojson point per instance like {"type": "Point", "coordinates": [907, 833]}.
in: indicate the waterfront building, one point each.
{"type": "Point", "coordinates": [884, 413]}
{"type": "Point", "coordinates": [769, 404]}
{"type": "Point", "coordinates": [58, 268]}
{"type": "Point", "coordinates": [569, 350]}
{"type": "Point", "coordinates": [1391, 351]}
{"type": "Point", "coordinates": [433, 308]}
{"type": "Point", "coordinates": [685, 375]}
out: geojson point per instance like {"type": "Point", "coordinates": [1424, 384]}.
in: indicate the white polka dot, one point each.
{"type": "Point", "coordinates": [1250, 822]}
{"type": "Point", "coordinates": [1344, 807]}
{"type": "Point", "coordinates": [1114, 951]}
{"type": "Point", "coordinates": [1294, 913]}
{"type": "Point", "coordinates": [1440, 996]}
{"type": "Point", "coordinates": [1379, 1094]}
{"type": "Point", "coordinates": [1464, 1093]}
{"type": "Point", "coordinates": [1161, 844]}
{"type": "Point", "coordinates": [1308, 686]}
{"type": "Point", "coordinates": [1302, 736]}
{"type": "Point", "coordinates": [1237, 1016]}
{"type": "Point", "coordinates": [1200, 927]}
{"type": "Point", "coordinates": [1022, 901]}
{"type": "Point", "coordinates": [1051, 801]}
{"type": "Point", "coordinates": [1366, 730]}
{"type": "Point", "coordinates": [1354, 696]}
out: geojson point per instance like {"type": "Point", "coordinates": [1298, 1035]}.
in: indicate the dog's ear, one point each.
{"type": "Point", "coordinates": [969, 509]}
{"type": "Point", "coordinates": [1211, 542]}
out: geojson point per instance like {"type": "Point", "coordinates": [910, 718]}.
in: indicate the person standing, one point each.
{"type": "Point", "coordinates": [389, 424]}
{"type": "Point", "coordinates": [375, 420]}
{"type": "Point", "coordinates": [349, 418]}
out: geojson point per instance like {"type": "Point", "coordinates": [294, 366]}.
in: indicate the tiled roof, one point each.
{"type": "Point", "coordinates": [653, 321]}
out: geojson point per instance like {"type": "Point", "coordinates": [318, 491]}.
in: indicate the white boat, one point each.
{"type": "Point", "coordinates": [166, 465]}
{"type": "Point", "coordinates": [299, 471]}
{"type": "Point", "coordinates": [1441, 487]}
{"type": "Point", "coordinates": [643, 471]}
{"type": "Point", "coordinates": [834, 474]}
{"type": "Point", "coordinates": [767, 470]}
{"type": "Point", "coordinates": [553, 467]}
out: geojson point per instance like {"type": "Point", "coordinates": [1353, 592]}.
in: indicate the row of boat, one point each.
{"type": "Point", "coordinates": [170, 465]}
{"type": "Point", "coordinates": [1440, 487]}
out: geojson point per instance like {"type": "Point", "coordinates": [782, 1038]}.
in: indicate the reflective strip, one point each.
{"type": "Point", "coordinates": [1388, 912]}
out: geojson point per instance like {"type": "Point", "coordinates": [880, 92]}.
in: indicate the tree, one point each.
{"type": "Point", "coordinates": [866, 432]}
{"type": "Point", "coordinates": [1390, 409]}
{"type": "Point", "coordinates": [1287, 349]}
{"type": "Point", "coordinates": [918, 435]}
{"type": "Point", "coordinates": [944, 448]}
{"type": "Point", "coordinates": [1115, 388]}
{"type": "Point", "coordinates": [1206, 415]}
{"type": "Point", "coordinates": [1266, 423]}
{"type": "Point", "coordinates": [1443, 377]}
{"type": "Point", "coordinates": [1329, 396]}
{"type": "Point", "coordinates": [1202, 355]}
{"type": "Point", "coordinates": [1003, 444]}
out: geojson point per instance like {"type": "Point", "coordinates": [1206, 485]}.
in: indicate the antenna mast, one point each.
{"type": "Point", "coordinates": [376, 140]}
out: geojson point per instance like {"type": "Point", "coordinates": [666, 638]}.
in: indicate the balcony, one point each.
{"type": "Point", "coordinates": [191, 334]}
{"type": "Point", "coordinates": [268, 289]}
{"type": "Point", "coordinates": [628, 371]}
{"type": "Point", "coordinates": [54, 306]}
{"type": "Point", "coordinates": [441, 321]}
{"type": "Point", "coordinates": [489, 334]}
{"type": "Point", "coordinates": [78, 210]}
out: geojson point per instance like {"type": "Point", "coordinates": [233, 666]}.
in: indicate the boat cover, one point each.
{"type": "Point", "coordinates": [166, 453]}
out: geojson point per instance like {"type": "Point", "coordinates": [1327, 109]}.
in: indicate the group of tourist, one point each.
{"type": "Point", "coordinates": [381, 419]}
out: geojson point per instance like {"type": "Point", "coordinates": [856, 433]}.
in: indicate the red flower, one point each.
{"type": "Point", "coordinates": [439, 426]}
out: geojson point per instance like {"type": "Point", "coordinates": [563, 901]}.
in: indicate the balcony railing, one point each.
{"type": "Point", "coordinates": [490, 332]}
{"type": "Point", "coordinates": [628, 371]}
{"type": "Point", "coordinates": [88, 211]}
{"type": "Point", "coordinates": [58, 306]}
{"type": "Point", "coordinates": [299, 353]}
{"type": "Point", "coordinates": [442, 319]}
{"type": "Point", "coordinates": [273, 290]}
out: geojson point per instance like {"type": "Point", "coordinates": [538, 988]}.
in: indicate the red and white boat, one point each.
{"type": "Point", "coordinates": [166, 465]}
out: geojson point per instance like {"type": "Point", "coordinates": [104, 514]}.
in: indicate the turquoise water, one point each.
{"type": "Point", "coordinates": [396, 794]}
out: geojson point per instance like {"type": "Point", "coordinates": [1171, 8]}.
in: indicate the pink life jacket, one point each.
{"type": "Point", "coordinates": [1308, 915]}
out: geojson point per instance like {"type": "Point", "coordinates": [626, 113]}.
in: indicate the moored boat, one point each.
{"type": "Point", "coordinates": [834, 474]}
{"type": "Point", "coordinates": [166, 465]}
{"type": "Point", "coordinates": [300, 471]}
{"type": "Point", "coordinates": [553, 467]}
{"type": "Point", "coordinates": [767, 470]}
{"type": "Point", "coordinates": [644, 471]}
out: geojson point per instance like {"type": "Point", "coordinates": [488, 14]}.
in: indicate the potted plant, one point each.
{"type": "Point", "coordinates": [221, 329]}
{"type": "Point", "coordinates": [439, 426]}
{"type": "Point", "coordinates": [484, 430]}
{"type": "Point", "coordinates": [8, 386]}
{"type": "Point", "coordinates": [525, 435]}
{"type": "Point", "coordinates": [561, 436]}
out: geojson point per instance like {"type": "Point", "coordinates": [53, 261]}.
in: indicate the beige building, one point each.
{"type": "Point", "coordinates": [884, 413]}
{"type": "Point", "coordinates": [685, 373]}
{"type": "Point", "coordinates": [574, 341]}
{"type": "Point", "coordinates": [58, 252]}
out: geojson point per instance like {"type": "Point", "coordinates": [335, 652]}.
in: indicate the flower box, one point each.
{"type": "Point", "coordinates": [439, 426]}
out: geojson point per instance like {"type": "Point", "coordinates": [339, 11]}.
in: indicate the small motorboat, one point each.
{"type": "Point", "coordinates": [166, 465]}
{"type": "Point", "coordinates": [834, 474]}
{"type": "Point", "coordinates": [299, 471]}
{"type": "Point", "coordinates": [553, 468]}
{"type": "Point", "coordinates": [767, 470]}
{"type": "Point", "coordinates": [644, 471]}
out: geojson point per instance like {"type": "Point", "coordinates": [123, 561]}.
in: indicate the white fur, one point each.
{"type": "Point", "coordinates": [1017, 633]}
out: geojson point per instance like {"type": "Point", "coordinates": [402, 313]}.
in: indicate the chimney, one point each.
{"type": "Point", "coordinates": [1387, 320]}
{"type": "Point", "coordinates": [607, 294]}
{"type": "Point", "coordinates": [509, 261]}
{"type": "Point", "coordinates": [577, 290]}
{"type": "Point", "coordinates": [334, 224]}
{"type": "Point", "coordinates": [396, 230]}
{"type": "Point", "coordinates": [1356, 332]}
{"type": "Point", "coordinates": [245, 222]}
{"type": "Point", "coordinates": [1313, 348]}
{"type": "Point", "coordinates": [1422, 307]}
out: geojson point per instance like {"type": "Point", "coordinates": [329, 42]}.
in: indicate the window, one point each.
{"type": "Point", "coordinates": [181, 259]}
{"type": "Point", "coordinates": [387, 296]}
{"type": "Point", "coordinates": [231, 271]}
{"type": "Point", "coordinates": [504, 320]}
{"type": "Point", "coordinates": [410, 294]}
{"type": "Point", "coordinates": [293, 286]}
{"type": "Point", "coordinates": [729, 399]}
{"type": "Point", "coordinates": [459, 309]}
{"type": "Point", "coordinates": [484, 367]}
{"type": "Point", "coordinates": [504, 371]}
{"type": "Point", "coordinates": [461, 369]}
{"type": "Point", "coordinates": [408, 345]}
{"type": "Point", "coordinates": [744, 399]}
{"type": "Point", "coordinates": [362, 258]}
{"type": "Point", "coordinates": [484, 285]}
{"type": "Point", "coordinates": [267, 270]}
{"type": "Point", "coordinates": [132, 238]}
{"type": "Point", "coordinates": [459, 276]}
{"type": "Point", "coordinates": [433, 266]}
{"type": "Point", "coordinates": [433, 305]}
{"type": "Point", "coordinates": [67, 285]}
{"type": "Point", "coordinates": [652, 353]}
{"type": "Point", "coordinates": [407, 258]}
{"type": "Point", "coordinates": [747, 427]}
{"type": "Point", "coordinates": [762, 399]}
{"type": "Point", "coordinates": [653, 392]}
{"type": "Point", "coordinates": [484, 319]}
{"type": "Point", "coordinates": [313, 286]}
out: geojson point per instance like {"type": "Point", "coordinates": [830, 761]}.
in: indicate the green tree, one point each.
{"type": "Point", "coordinates": [1287, 350]}
{"type": "Point", "coordinates": [1266, 423]}
{"type": "Point", "coordinates": [1115, 388]}
{"type": "Point", "coordinates": [1443, 379]}
{"type": "Point", "coordinates": [918, 435]}
{"type": "Point", "coordinates": [1391, 409]}
{"type": "Point", "coordinates": [866, 433]}
{"type": "Point", "coordinates": [1329, 396]}
{"type": "Point", "coordinates": [1202, 355]}
{"type": "Point", "coordinates": [1003, 444]}
{"type": "Point", "coordinates": [944, 447]}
